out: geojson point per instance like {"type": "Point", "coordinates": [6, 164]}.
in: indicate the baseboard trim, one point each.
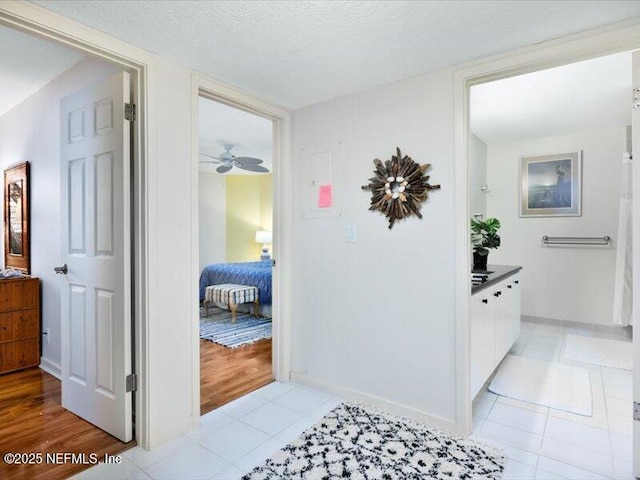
{"type": "Point", "coordinates": [388, 405]}
{"type": "Point", "coordinates": [51, 368]}
{"type": "Point", "coordinates": [596, 327]}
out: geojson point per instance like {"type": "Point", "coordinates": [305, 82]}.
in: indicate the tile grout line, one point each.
{"type": "Point", "coordinates": [543, 436]}
{"type": "Point", "coordinates": [606, 413]}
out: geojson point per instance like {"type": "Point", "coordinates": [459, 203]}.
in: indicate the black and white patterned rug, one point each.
{"type": "Point", "coordinates": [356, 441]}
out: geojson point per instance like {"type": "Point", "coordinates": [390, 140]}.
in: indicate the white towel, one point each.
{"type": "Point", "coordinates": [623, 280]}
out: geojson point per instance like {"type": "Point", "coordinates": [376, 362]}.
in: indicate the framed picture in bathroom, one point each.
{"type": "Point", "coordinates": [551, 185]}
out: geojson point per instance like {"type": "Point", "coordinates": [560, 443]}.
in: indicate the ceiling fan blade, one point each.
{"type": "Point", "coordinates": [210, 156]}
{"type": "Point", "coordinates": [208, 161]}
{"type": "Point", "coordinates": [223, 168]}
{"type": "Point", "coordinates": [254, 168]}
{"type": "Point", "coordinates": [248, 160]}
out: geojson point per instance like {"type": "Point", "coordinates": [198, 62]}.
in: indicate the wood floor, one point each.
{"type": "Point", "coordinates": [229, 373]}
{"type": "Point", "coordinates": [33, 421]}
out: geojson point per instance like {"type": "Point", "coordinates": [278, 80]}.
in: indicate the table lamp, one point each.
{"type": "Point", "coordinates": [264, 237]}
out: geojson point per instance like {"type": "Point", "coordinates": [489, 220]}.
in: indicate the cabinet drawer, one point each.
{"type": "Point", "coordinates": [7, 327]}
{"type": "Point", "coordinates": [19, 294]}
{"type": "Point", "coordinates": [19, 354]}
{"type": "Point", "coordinates": [27, 352]}
{"type": "Point", "coordinates": [8, 357]}
{"type": "Point", "coordinates": [20, 324]}
{"type": "Point", "coordinates": [26, 324]}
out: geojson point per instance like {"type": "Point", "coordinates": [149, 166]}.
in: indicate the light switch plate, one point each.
{"type": "Point", "coordinates": [352, 233]}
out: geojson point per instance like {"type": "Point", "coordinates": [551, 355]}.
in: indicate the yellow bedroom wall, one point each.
{"type": "Point", "coordinates": [249, 208]}
{"type": "Point", "coordinates": [265, 183]}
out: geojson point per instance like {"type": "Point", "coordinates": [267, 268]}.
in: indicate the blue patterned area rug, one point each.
{"type": "Point", "coordinates": [217, 327]}
{"type": "Point", "coordinates": [357, 441]}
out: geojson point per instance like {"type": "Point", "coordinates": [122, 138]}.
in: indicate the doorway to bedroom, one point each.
{"type": "Point", "coordinates": [235, 197]}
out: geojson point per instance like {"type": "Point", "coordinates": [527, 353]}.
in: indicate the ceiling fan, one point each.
{"type": "Point", "coordinates": [229, 160]}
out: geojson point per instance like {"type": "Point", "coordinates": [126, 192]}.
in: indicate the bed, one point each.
{"type": "Point", "coordinates": [257, 274]}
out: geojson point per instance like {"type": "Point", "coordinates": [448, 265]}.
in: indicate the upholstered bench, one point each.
{"type": "Point", "coordinates": [232, 295]}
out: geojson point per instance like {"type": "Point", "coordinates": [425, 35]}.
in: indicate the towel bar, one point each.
{"type": "Point", "coordinates": [546, 240]}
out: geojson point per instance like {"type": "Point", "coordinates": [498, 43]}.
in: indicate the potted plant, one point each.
{"type": "Point", "coordinates": [483, 237]}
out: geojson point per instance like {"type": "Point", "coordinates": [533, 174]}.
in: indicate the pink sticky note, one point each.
{"type": "Point", "coordinates": [325, 196]}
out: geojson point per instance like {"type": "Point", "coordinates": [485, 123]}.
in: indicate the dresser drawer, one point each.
{"type": "Point", "coordinates": [19, 294]}
{"type": "Point", "coordinates": [26, 324]}
{"type": "Point", "coordinates": [28, 354]}
{"type": "Point", "coordinates": [7, 327]}
{"type": "Point", "coordinates": [20, 324]}
{"type": "Point", "coordinates": [19, 354]}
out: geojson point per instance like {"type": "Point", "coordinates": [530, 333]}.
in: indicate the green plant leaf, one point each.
{"type": "Point", "coordinates": [492, 241]}
{"type": "Point", "coordinates": [492, 225]}
{"type": "Point", "coordinates": [484, 236]}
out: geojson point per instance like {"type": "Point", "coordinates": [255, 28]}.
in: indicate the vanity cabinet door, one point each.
{"type": "Point", "coordinates": [513, 325]}
{"type": "Point", "coordinates": [507, 315]}
{"type": "Point", "coordinates": [502, 296]}
{"type": "Point", "coordinates": [483, 338]}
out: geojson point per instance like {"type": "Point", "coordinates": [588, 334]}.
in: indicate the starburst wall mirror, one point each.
{"type": "Point", "coordinates": [399, 187]}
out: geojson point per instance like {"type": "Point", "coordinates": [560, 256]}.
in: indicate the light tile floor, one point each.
{"type": "Point", "coordinates": [540, 443]}
{"type": "Point", "coordinates": [543, 443]}
{"type": "Point", "coordinates": [230, 441]}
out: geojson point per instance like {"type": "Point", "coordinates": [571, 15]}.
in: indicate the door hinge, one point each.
{"type": "Point", "coordinates": [636, 98]}
{"type": "Point", "coordinates": [130, 112]}
{"type": "Point", "coordinates": [636, 411]}
{"type": "Point", "coordinates": [131, 382]}
{"type": "Point", "coordinates": [273, 262]}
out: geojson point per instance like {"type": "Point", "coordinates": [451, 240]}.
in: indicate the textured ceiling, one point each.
{"type": "Point", "coordinates": [298, 53]}
{"type": "Point", "coordinates": [584, 95]}
{"type": "Point", "coordinates": [27, 64]}
{"type": "Point", "coordinates": [250, 135]}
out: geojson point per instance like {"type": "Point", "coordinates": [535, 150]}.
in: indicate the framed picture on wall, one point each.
{"type": "Point", "coordinates": [16, 218]}
{"type": "Point", "coordinates": [551, 185]}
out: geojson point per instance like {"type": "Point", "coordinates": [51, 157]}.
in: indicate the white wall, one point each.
{"type": "Point", "coordinates": [565, 283]}
{"type": "Point", "coordinates": [377, 316]}
{"type": "Point", "coordinates": [31, 132]}
{"type": "Point", "coordinates": [173, 290]}
{"type": "Point", "coordinates": [477, 175]}
{"type": "Point", "coordinates": [213, 218]}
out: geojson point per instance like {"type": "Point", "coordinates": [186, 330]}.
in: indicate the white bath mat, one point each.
{"type": "Point", "coordinates": [554, 385]}
{"type": "Point", "coordinates": [599, 351]}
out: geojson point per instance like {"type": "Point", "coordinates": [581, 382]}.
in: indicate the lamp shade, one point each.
{"type": "Point", "coordinates": [262, 236]}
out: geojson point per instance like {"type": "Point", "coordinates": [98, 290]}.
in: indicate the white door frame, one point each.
{"type": "Point", "coordinates": [282, 220]}
{"type": "Point", "coordinates": [615, 38]}
{"type": "Point", "coordinates": [39, 22]}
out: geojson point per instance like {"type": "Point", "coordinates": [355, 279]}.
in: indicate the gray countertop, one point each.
{"type": "Point", "coordinates": [498, 272]}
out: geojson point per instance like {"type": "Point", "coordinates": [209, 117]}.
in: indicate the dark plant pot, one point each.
{"type": "Point", "coordinates": [480, 261]}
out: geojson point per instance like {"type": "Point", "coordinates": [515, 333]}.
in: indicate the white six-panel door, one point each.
{"type": "Point", "coordinates": [96, 298]}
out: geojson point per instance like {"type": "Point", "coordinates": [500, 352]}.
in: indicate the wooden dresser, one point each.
{"type": "Point", "coordinates": [19, 323]}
